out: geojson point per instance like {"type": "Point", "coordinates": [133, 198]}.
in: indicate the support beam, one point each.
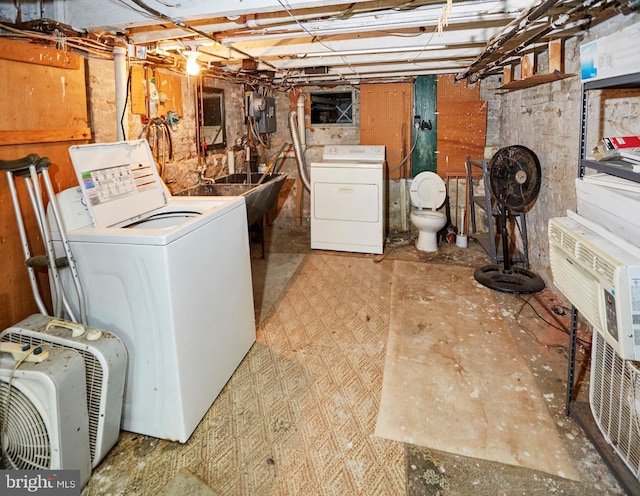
{"type": "Point", "coordinates": [556, 62]}
{"type": "Point", "coordinates": [527, 66]}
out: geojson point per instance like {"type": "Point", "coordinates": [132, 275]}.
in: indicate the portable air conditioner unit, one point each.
{"type": "Point", "coordinates": [614, 397]}
{"type": "Point", "coordinates": [599, 274]}
{"type": "Point", "coordinates": [105, 361]}
{"type": "Point", "coordinates": [44, 423]}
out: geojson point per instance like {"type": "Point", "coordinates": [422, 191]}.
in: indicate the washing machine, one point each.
{"type": "Point", "coordinates": [348, 199]}
{"type": "Point", "coordinates": [170, 276]}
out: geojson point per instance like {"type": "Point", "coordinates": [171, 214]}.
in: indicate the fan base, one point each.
{"type": "Point", "coordinates": [513, 280]}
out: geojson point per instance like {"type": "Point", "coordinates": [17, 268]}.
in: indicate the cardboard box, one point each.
{"type": "Point", "coordinates": [619, 142]}
{"type": "Point", "coordinates": [613, 55]}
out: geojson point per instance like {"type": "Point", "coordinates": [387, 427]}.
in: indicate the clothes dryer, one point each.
{"type": "Point", "coordinates": [348, 198]}
{"type": "Point", "coordinates": [170, 277]}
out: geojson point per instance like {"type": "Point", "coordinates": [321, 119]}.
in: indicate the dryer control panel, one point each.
{"type": "Point", "coordinates": [354, 153]}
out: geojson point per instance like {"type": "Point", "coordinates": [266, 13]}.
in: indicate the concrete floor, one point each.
{"type": "Point", "coordinates": [543, 341]}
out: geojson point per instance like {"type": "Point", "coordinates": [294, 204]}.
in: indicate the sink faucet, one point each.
{"type": "Point", "coordinates": [201, 177]}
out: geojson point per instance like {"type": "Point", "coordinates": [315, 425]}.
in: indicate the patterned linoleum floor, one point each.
{"type": "Point", "coordinates": [298, 416]}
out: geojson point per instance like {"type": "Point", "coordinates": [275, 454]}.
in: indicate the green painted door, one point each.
{"type": "Point", "coordinates": [423, 157]}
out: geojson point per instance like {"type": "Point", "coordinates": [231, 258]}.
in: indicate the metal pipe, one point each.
{"type": "Point", "coordinates": [297, 148]}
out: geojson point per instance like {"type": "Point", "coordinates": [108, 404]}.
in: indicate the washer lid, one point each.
{"type": "Point", "coordinates": [119, 180]}
{"type": "Point", "coordinates": [428, 190]}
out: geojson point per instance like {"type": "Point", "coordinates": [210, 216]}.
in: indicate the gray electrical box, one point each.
{"type": "Point", "coordinates": [267, 120]}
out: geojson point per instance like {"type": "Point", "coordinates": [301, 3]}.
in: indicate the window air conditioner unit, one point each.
{"type": "Point", "coordinates": [614, 397]}
{"type": "Point", "coordinates": [599, 274]}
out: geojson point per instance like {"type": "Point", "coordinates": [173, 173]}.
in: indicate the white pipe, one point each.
{"type": "Point", "coordinates": [403, 205]}
{"type": "Point", "coordinates": [121, 74]}
{"type": "Point", "coordinates": [302, 131]}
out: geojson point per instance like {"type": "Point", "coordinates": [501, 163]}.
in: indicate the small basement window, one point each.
{"type": "Point", "coordinates": [332, 108]}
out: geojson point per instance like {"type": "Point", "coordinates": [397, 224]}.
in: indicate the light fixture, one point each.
{"type": "Point", "coordinates": [371, 51]}
{"type": "Point", "coordinates": [193, 68]}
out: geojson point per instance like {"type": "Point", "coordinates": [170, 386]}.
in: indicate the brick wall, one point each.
{"type": "Point", "coordinates": [546, 118]}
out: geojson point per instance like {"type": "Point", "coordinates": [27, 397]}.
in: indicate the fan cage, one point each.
{"type": "Point", "coordinates": [94, 381]}
{"type": "Point", "coordinates": [26, 444]}
{"type": "Point", "coordinates": [515, 177]}
{"type": "Point", "coordinates": [615, 401]}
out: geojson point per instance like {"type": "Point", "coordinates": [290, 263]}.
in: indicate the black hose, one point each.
{"type": "Point", "coordinates": [126, 100]}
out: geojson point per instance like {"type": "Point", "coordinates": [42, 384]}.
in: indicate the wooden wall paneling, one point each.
{"type": "Point", "coordinates": [44, 111]}
{"type": "Point", "coordinates": [44, 135]}
{"type": "Point", "coordinates": [16, 298]}
{"type": "Point", "coordinates": [462, 125]}
{"type": "Point", "coordinates": [169, 84]}
{"type": "Point", "coordinates": [59, 95]}
{"type": "Point", "coordinates": [386, 119]}
{"type": "Point", "coordinates": [450, 91]}
{"type": "Point", "coordinates": [138, 90]}
{"type": "Point", "coordinates": [38, 54]}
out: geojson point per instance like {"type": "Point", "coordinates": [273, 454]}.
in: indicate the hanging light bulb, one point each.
{"type": "Point", "coordinates": [193, 68]}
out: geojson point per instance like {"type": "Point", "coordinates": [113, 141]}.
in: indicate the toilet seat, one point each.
{"type": "Point", "coordinates": [428, 190]}
{"type": "Point", "coordinates": [427, 214]}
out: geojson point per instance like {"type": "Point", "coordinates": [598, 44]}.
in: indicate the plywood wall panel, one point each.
{"type": "Point", "coordinates": [170, 85]}
{"type": "Point", "coordinates": [462, 125]}
{"type": "Point", "coordinates": [451, 91]}
{"type": "Point", "coordinates": [39, 54]}
{"type": "Point", "coordinates": [138, 89]}
{"type": "Point", "coordinates": [44, 111]}
{"type": "Point", "coordinates": [386, 119]}
{"type": "Point", "coordinates": [16, 299]}
{"type": "Point", "coordinates": [59, 95]}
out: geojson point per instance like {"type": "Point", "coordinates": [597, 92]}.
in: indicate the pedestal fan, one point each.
{"type": "Point", "coordinates": [514, 176]}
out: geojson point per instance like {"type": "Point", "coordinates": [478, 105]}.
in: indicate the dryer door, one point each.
{"type": "Point", "coordinates": [342, 201]}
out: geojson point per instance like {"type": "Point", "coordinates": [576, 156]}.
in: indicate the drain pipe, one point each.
{"type": "Point", "coordinates": [120, 67]}
{"type": "Point", "coordinates": [294, 125]}
{"type": "Point", "coordinates": [302, 132]}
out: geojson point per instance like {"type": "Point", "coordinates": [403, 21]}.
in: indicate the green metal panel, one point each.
{"type": "Point", "coordinates": [423, 157]}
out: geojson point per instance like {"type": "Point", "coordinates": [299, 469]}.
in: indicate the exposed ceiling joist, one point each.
{"type": "Point", "coordinates": [355, 40]}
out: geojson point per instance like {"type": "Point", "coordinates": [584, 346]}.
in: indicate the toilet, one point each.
{"type": "Point", "coordinates": [428, 193]}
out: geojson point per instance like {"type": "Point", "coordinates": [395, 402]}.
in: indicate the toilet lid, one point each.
{"type": "Point", "coordinates": [427, 190]}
